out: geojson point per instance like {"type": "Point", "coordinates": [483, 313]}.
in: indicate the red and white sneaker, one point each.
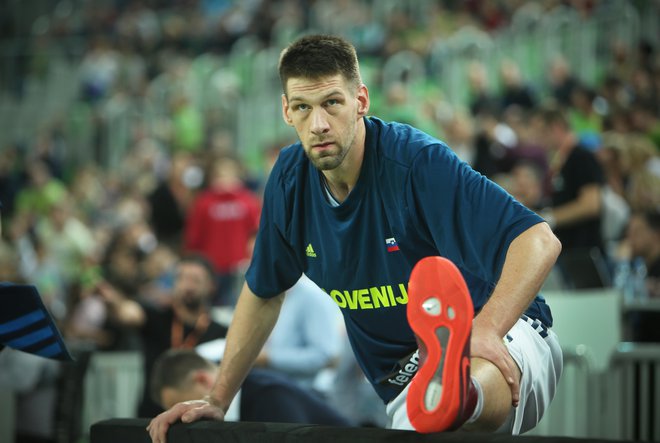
{"type": "Point", "coordinates": [441, 396]}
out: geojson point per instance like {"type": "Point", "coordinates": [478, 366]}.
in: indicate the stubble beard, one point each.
{"type": "Point", "coordinates": [334, 160]}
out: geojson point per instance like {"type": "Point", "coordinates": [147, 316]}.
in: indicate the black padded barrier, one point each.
{"type": "Point", "coordinates": [128, 430]}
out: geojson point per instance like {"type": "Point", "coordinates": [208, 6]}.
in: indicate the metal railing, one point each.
{"type": "Point", "coordinates": [634, 378]}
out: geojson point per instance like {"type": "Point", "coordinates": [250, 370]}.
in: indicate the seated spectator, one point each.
{"type": "Point", "coordinates": [306, 338]}
{"type": "Point", "coordinates": [583, 118]}
{"type": "Point", "coordinates": [170, 200]}
{"type": "Point", "coordinates": [352, 393]}
{"type": "Point", "coordinates": [527, 184]}
{"type": "Point", "coordinates": [265, 396]}
{"type": "Point", "coordinates": [184, 324]}
{"type": "Point", "coordinates": [561, 80]}
{"type": "Point", "coordinates": [481, 100]}
{"type": "Point", "coordinates": [43, 190]}
{"type": "Point", "coordinates": [515, 90]}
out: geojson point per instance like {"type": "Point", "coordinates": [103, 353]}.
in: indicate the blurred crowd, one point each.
{"type": "Point", "coordinates": [183, 187]}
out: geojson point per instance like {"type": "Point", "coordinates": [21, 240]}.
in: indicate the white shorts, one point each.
{"type": "Point", "coordinates": [537, 353]}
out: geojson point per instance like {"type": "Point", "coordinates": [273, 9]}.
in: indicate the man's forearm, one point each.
{"type": "Point", "coordinates": [251, 325]}
{"type": "Point", "coordinates": [586, 206]}
{"type": "Point", "coordinates": [528, 262]}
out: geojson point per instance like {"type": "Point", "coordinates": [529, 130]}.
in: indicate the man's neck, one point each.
{"type": "Point", "coordinates": [342, 180]}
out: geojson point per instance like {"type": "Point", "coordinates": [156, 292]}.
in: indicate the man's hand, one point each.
{"type": "Point", "coordinates": [489, 346]}
{"type": "Point", "coordinates": [187, 412]}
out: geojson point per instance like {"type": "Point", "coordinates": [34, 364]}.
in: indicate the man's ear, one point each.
{"type": "Point", "coordinates": [285, 111]}
{"type": "Point", "coordinates": [205, 378]}
{"type": "Point", "coordinates": [363, 100]}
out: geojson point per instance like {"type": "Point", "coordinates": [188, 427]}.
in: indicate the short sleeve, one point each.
{"type": "Point", "coordinates": [274, 267]}
{"type": "Point", "coordinates": [470, 219]}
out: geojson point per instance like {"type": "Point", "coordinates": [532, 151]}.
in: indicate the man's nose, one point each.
{"type": "Point", "coordinates": [319, 121]}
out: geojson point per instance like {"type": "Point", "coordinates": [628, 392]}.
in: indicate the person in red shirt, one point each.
{"type": "Point", "coordinates": [222, 224]}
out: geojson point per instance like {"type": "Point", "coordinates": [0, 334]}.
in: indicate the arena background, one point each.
{"type": "Point", "coordinates": [107, 92]}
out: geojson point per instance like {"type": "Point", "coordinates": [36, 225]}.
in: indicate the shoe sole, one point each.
{"type": "Point", "coordinates": [440, 313]}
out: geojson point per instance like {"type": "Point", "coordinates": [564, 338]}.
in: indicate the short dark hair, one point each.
{"type": "Point", "coordinates": [172, 368]}
{"type": "Point", "coordinates": [317, 56]}
{"type": "Point", "coordinates": [202, 261]}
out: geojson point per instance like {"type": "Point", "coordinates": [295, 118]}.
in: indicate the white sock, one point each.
{"type": "Point", "coordinates": [480, 402]}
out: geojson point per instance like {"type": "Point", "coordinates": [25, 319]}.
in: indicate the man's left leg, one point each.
{"type": "Point", "coordinates": [450, 390]}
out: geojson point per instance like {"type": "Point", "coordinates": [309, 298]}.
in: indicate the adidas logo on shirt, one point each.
{"type": "Point", "coordinates": [310, 251]}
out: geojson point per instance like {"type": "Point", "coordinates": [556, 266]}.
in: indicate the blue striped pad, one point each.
{"type": "Point", "coordinates": [50, 350]}
{"type": "Point", "coordinates": [26, 325]}
{"type": "Point", "coordinates": [22, 322]}
{"type": "Point", "coordinates": [31, 338]}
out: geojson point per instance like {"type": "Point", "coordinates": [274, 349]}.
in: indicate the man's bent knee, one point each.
{"type": "Point", "coordinates": [496, 395]}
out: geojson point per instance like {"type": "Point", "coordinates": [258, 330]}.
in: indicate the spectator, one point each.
{"type": "Point", "coordinates": [481, 100]}
{"type": "Point", "coordinates": [561, 80]}
{"type": "Point", "coordinates": [122, 259]}
{"type": "Point", "coordinates": [352, 393]}
{"type": "Point", "coordinates": [65, 238]}
{"type": "Point", "coordinates": [222, 224]}
{"type": "Point", "coordinates": [577, 183]}
{"type": "Point", "coordinates": [188, 125]}
{"type": "Point", "coordinates": [306, 339]}
{"type": "Point", "coordinates": [459, 133]}
{"type": "Point", "coordinates": [495, 143]}
{"type": "Point", "coordinates": [583, 119]}
{"type": "Point", "coordinates": [514, 89]}
{"type": "Point", "coordinates": [170, 201]}
{"type": "Point", "coordinates": [184, 324]}
{"type": "Point", "coordinates": [43, 190]}
{"type": "Point", "coordinates": [642, 163]}
{"type": "Point", "coordinates": [527, 185]}
{"type": "Point", "coordinates": [265, 396]}
{"type": "Point", "coordinates": [616, 210]}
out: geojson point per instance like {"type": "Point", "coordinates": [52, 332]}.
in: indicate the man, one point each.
{"type": "Point", "coordinates": [577, 181]}
{"type": "Point", "coordinates": [307, 338]}
{"type": "Point", "coordinates": [184, 324]}
{"type": "Point", "coordinates": [181, 374]}
{"type": "Point", "coordinates": [221, 225]}
{"type": "Point", "coordinates": [355, 205]}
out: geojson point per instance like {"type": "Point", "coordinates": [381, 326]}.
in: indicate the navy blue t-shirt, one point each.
{"type": "Point", "coordinates": [414, 198]}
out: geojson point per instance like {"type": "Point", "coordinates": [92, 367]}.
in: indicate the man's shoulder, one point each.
{"type": "Point", "coordinates": [401, 143]}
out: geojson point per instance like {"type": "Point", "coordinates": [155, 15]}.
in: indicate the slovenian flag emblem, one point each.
{"type": "Point", "coordinates": [391, 244]}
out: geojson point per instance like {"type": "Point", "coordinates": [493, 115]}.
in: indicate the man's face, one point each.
{"type": "Point", "coordinates": [325, 113]}
{"type": "Point", "coordinates": [527, 186]}
{"type": "Point", "coordinates": [193, 285]}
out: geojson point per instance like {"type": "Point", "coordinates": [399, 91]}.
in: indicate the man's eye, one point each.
{"type": "Point", "coordinates": [301, 107]}
{"type": "Point", "coordinates": [332, 102]}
